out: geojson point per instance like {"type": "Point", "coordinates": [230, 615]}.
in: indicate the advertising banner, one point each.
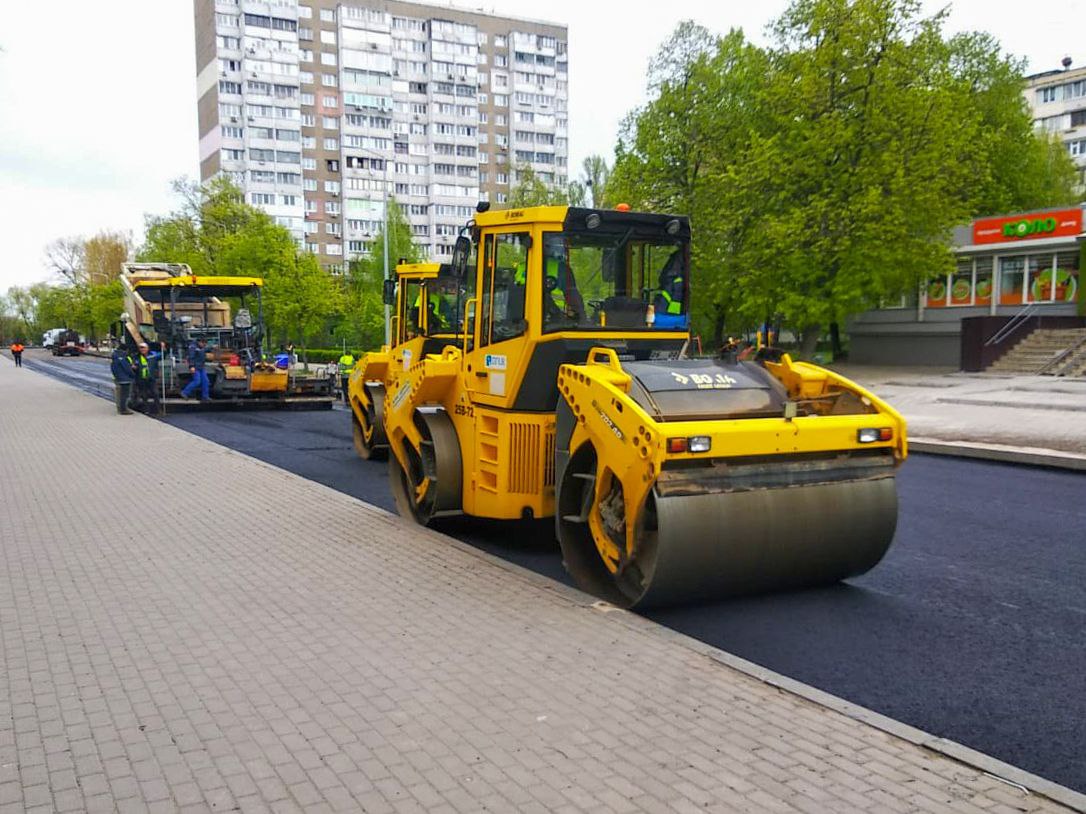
{"type": "Point", "coordinates": [1057, 223]}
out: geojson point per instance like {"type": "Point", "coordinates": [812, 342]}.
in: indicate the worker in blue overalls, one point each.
{"type": "Point", "coordinates": [197, 363]}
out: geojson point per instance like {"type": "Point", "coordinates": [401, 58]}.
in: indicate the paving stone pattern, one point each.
{"type": "Point", "coordinates": [177, 634]}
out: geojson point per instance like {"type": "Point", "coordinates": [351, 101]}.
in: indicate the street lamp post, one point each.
{"type": "Point", "coordinates": [388, 310]}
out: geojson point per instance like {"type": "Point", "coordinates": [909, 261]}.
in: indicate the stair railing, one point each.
{"type": "Point", "coordinates": [1011, 326]}
{"type": "Point", "coordinates": [1059, 363]}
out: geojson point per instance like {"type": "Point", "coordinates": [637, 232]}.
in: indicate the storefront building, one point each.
{"type": "Point", "coordinates": [1004, 265]}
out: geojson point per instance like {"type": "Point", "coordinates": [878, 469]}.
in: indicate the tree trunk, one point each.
{"type": "Point", "coordinates": [835, 341]}
{"type": "Point", "coordinates": [718, 328]}
{"type": "Point", "coordinates": [809, 341]}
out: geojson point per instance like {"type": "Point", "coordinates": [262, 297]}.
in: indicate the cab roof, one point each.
{"type": "Point", "coordinates": [575, 218]}
{"type": "Point", "coordinates": [422, 271]}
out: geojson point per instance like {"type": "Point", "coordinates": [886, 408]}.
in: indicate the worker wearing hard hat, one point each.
{"type": "Point", "coordinates": [346, 365]}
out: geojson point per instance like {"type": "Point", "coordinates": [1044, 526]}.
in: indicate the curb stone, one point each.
{"type": "Point", "coordinates": [1026, 456]}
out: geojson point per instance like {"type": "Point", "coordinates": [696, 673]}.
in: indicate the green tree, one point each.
{"type": "Point", "coordinates": [594, 175]}
{"type": "Point", "coordinates": [363, 325]}
{"type": "Point", "coordinates": [531, 190]}
{"type": "Point", "coordinates": [1015, 166]}
{"type": "Point", "coordinates": [300, 297]}
{"type": "Point", "coordinates": [21, 307]}
{"type": "Point", "coordinates": [675, 153]}
{"type": "Point", "coordinates": [216, 232]}
{"type": "Point", "coordinates": [826, 173]}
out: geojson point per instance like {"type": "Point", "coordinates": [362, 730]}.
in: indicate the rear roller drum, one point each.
{"type": "Point", "coordinates": [369, 430]}
{"type": "Point", "coordinates": [431, 485]}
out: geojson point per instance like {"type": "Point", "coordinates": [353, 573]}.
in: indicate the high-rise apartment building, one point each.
{"type": "Point", "coordinates": [1058, 102]}
{"type": "Point", "coordinates": [318, 109]}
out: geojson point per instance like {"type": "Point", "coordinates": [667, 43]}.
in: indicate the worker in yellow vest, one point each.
{"type": "Point", "coordinates": [346, 365]}
{"type": "Point", "coordinates": [562, 301]}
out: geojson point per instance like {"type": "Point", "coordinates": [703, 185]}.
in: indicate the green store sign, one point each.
{"type": "Point", "coordinates": [1026, 228]}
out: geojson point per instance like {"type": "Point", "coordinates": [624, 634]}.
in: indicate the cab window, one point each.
{"type": "Point", "coordinates": [443, 302]}
{"type": "Point", "coordinates": [600, 281]}
{"type": "Point", "coordinates": [505, 275]}
{"type": "Point", "coordinates": [410, 309]}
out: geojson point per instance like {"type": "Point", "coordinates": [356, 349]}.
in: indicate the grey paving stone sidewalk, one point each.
{"type": "Point", "coordinates": [177, 634]}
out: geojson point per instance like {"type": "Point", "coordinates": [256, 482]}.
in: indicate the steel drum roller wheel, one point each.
{"type": "Point", "coordinates": [716, 545]}
{"type": "Point", "coordinates": [432, 483]}
{"type": "Point", "coordinates": [369, 432]}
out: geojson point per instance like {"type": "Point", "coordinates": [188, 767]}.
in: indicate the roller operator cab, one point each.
{"type": "Point", "coordinates": [543, 373]}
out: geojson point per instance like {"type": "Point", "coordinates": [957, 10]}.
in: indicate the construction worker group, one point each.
{"type": "Point", "coordinates": [135, 379]}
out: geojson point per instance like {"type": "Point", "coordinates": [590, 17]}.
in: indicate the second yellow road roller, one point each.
{"type": "Point", "coordinates": [543, 372]}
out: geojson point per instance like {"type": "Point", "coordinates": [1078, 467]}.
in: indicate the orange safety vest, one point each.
{"type": "Point", "coordinates": [17, 348]}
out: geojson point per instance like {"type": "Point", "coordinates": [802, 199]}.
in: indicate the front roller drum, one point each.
{"type": "Point", "coordinates": [716, 545]}
{"type": "Point", "coordinates": [369, 431]}
{"type": "Point", "coordinates": [432, 484]}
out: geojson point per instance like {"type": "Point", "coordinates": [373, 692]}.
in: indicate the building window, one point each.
{"type": "Point", "coordinates": [331, 144]}
{"type": "Point", "coordinates": [262, 199]}
{"type": "Point", "coordinates": [328, 15]}
{"type": "Point", "coordinates": [330, 101]}
{"type": "Point", "coordinates": [332, 164]}
{"type": "Point", "coordinates": [329, 80]}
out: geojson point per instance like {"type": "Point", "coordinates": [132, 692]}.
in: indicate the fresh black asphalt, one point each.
{"type": "Point", "coordinates": [973, 628]}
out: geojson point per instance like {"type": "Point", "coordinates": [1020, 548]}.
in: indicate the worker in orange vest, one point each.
{"type": "Point", "coordinates": [17, 353]}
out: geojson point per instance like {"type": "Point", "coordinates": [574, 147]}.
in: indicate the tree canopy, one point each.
{"type": "Point", "coordinates": [825, 173]}
{"type": "Point", "coordinates": [216, 232]}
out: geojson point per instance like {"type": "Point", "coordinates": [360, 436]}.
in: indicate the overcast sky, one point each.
{"type": "Point", "coordinates": [98, 100]}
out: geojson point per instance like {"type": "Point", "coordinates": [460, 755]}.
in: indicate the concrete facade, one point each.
{"type": "Point", "coordinates": [317, 109]}
{"type": "Point", "coordinates": [1057, 100]}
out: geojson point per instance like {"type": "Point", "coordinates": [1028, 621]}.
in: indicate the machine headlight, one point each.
{"type": "Point", "coordinates": [695, 443]}
{"type": "Point", "coordinates": [869, 435]}
{"type": "Point", "coordinates": [699, 443]}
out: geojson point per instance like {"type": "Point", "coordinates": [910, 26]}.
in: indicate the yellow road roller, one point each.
{"type": "Point", "coordinates": [543, 373]}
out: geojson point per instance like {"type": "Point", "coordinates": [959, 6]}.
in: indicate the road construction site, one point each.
{"type": "Point", "coordinates": [968, 630]}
